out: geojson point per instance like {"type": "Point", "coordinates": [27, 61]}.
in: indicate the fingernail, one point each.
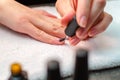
{"type": "Point", "coordinates": [82, 36]}
{"type": "Point", "coordinates": [83, 21]}
{"type": "Point", "coordinates": [79, 33]}
{"type": "Point", "coordinates": [92, 33]}
{"type": "Point", "coordinates": [74, 41]}
{"type": "Point", "coordinates": [62, 39]}
{"type": "Point", "coordinates": [57, 41]}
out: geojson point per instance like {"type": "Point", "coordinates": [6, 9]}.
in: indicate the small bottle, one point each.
{"type": "Point", "coordinates": [53, 70]}
{"type": "Point", "coordinates": [17, 73]}
{"type": "Point", "coordinates": [81, 65]}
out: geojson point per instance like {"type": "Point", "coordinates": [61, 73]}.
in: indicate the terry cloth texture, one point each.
{"type": "Point", "coordinates": [33, 55]}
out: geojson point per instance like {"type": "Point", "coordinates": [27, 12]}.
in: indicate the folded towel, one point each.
{"type": "Point", "coordinates": [33, 55]}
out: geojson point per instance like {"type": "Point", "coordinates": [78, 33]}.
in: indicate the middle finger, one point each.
{"type": "Point", "coordinates": [96, 10]}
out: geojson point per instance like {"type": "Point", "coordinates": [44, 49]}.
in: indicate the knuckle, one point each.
{"type": "Point", "coordinates": [101, 2]}
{"type": "Point", "coordinates": [55, 30]}
{"type": "Point", "coordinates": [109, 17]}
{"type": "Point", "coordinates": [50, 41]}
{"type": "Point", "coordinates": [58, 31]}
{"type": "Point", "coordinates": [103, 28]}
{"type": "Point", "coordinates": [41, 36]}
{"type": "Point", "coordinates": [36, 35]}
{"type": "Point", "coordinates": [39, 33]}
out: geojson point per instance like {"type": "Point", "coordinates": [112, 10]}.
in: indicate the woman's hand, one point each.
{"type": "Point", "coordinates": [90, 16]}
{"type": "Point", "coordinates": [36, 23]}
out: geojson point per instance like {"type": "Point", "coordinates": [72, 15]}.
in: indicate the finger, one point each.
{"type": "Point", "coordinates": [96, 10]}
{"type": "Point", "coordinates": [66, 10]}
{"type": "Point", "coordinates": [101, 26]}
{"type": "Point", "coordinates": [43, 12]}
{"type": "Point", "coordinates": [49, 25]}
{"type": "Point", "coordinates": [83, 11]}
{"type": "Point", "coordinates": [79, 32]}
{"type": "Point", "coordinates": [40, 35]}
{"type": "Point", "coordinates": [74, 41]}
{"type": "Point", "coordinates": [99, 19]}
{"type": "Point", "coordinates": [64, 7]}
{"type": "Point", "coordinates": [44, 16]}
{"type": "Point", "coordinates": [67, 18]}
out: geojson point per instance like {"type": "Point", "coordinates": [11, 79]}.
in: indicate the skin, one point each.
{"type": "Point", "coordinates": [47, 28]}
{"type": "Point", "coordinates": [90, 16]}
{"type": "Point", "coordinates": [38, 24]}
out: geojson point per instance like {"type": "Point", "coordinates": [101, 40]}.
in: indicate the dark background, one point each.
{"type": "Point", "coordinates": [35, 2]}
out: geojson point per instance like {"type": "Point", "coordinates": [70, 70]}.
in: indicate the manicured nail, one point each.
{"type": "Point", "coordinates": [93, 33]}
{"type": "Point", "coordinates": [83, 21]}
{"type": "Point", "coordinates": [62, 39]}
{"type": "Point", "coordinates": [74, 41]}
{"type": "Point", "coordinates": [79, 33]}
{"type": "Point", "coordinates": [57, 41]}
{"type": "Point", "coordinates": [82, 36]}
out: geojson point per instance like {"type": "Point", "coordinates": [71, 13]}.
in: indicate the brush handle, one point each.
{"type": "Point", "coordinates": [72, 27]}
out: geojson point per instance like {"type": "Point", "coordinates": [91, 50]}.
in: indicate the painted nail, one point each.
{"type": "Point", "coordinates": [62, 39]}
{"type": "Point", "coordinates": [74, 41]}
{"type": "Point", "coordinates": [82, 36]}
{"type": "Point", "coordinates": [57, 41]}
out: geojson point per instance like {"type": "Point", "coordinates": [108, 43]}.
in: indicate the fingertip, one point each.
{"type": "Point", "coordinates": [58, 42]}
{"type": "Point", "coordinates": [82, 21]}
{"type": "Point", "coordinates": [83, 12]}
{"type": "Point", "coordinates": [79, 32]}
{"type": "Point", "coordinates": [74, 41]}
{"type": "Point", "coordinates": [101, 26]}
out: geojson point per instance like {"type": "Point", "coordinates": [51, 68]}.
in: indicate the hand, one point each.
{"type": "Point", "coordinates": [90, 16]}
{"type": "Point", "coordinates": [38, 24]}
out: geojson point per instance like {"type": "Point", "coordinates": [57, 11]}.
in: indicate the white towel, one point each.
{"type": "Point", "coordinates": [33, 55]}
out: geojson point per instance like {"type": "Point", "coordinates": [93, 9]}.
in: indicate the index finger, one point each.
{"type": "Point", "coordinates": [83, 11]}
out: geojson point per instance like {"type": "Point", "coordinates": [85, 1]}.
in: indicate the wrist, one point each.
{"type": "Point", "coordinates": [4, 6]}
{"type": "Point", "coordinates": [3, 3]}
